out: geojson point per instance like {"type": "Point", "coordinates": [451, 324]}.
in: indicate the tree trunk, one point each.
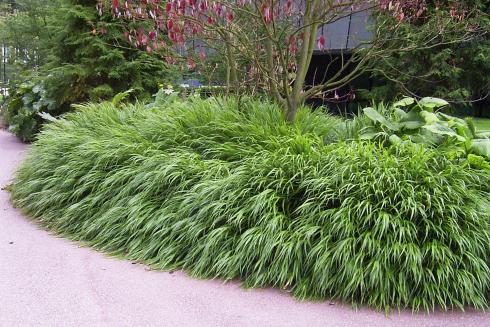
{"type": "Point", "coordinates": [291, 110]}
{"type": "Point", "coordinates": [231, 74]}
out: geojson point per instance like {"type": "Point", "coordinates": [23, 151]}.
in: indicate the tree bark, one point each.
{"type": "Point", "coordinates": [291, 110]}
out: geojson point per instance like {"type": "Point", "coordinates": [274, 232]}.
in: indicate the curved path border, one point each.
{"type": "Point", "coordinates": [49, 281]}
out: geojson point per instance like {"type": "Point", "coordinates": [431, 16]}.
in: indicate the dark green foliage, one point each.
{"type": "Point", "coordinates": [85, 57]}
{"type": "Point", "coordinates": [26, 28]}
{"type": "Point", "coordinates": [456, 71]}
{"type": "Point", "coordinates": [228, 189]}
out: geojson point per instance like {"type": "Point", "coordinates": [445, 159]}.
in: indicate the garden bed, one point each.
{"type": "Point", "coordinates": [229, 189]}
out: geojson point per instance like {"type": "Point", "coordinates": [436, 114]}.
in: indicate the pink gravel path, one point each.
{"type": "Point", "coordinates": [49, 281]}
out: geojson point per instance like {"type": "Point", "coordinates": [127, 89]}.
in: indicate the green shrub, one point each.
{"type": "Point", "coordinates": [228, 189]}
{"type": "Point", "coordinates": [455, 70]}
{"type": "Point", "coordinates": [84, 58]}
{"type": "Point", "coordinates": [101, 92]}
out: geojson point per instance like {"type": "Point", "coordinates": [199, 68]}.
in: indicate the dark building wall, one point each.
{"type": "Point", "coordinates": [341, 37]}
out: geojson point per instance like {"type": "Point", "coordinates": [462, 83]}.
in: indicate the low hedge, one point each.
{"type": "Point", "coordinates": [228, 189]}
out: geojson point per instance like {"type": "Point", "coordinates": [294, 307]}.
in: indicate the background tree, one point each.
{"type": "Point", "coordinates": [456, 71]}
{"type": "Point", "coordinates": [271, 43]}
{"type": "Point", "coordinates": [26, 29]}
{"type": "Point", "coordinates": [77, 56]}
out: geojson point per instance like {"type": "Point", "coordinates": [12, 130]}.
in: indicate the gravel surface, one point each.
{"type": "Point", "coordinates": [49, 281]}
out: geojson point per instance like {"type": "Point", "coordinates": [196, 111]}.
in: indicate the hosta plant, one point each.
{"type": "Point", "coordinates": [422, 121]}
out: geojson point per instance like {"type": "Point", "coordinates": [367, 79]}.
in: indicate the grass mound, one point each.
{"type": "Point", "coordinates": [226, 189]}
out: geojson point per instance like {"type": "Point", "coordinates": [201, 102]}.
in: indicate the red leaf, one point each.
{"type": "Point", "coordinates": [267, 13]}
{"type": "Point", "coordinates": [190, 63]}
{"type": "Point", "coordinates": [229, 16]}
{"type": "Point", "coordinates": [202, 55]}
{"type": "Point", "coordinates": [321, 42]}
{"type": "Point", "coordinates": [203, 5]}
{"type": "Point", "coordinates": [170, 24]}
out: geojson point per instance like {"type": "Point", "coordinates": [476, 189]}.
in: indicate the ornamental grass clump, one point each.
{"type": "Point", "coordinates": [228, 189]}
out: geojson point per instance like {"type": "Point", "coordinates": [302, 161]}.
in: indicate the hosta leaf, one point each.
{"type": "Point", "coordinates": [400, 113]}
{"type": "Point", "coordinates": [481, 147]}
{"type": "Point", "coordinates": [445, 117]}
{"type": "Point", "coordinates": [404, 102]}
{"type": "Point", "coordinates": [431, 103]}
{"type": "Point", "coordinates": [28, 99]}
{"type": "Point", "coordinates": [395, 139]}
{"type": "Point", "coordinates": [413, 119]}
{"type": "Point", "coordinates": [412, 124]}
{"type": "Point", "coordinates": [368, 135]}
{"type": "Point", "coordinates": [431, 139]}
{"type": "Point", "coordinates": [37, 88]}
{"type": "Point", "coordinates": [393, 126]}
{"type": "Point", "coordinates": [375, 116]}
{"type": "Point", "coordinates": [37, 105]}
{"type": "Point", "coordinates": [470, 124]}
{"type": "Point", "coordinates": [463, 130]}
{"type": "Point", "coordinates": [429, 117]}
{"type": "Point", "coordinates": [443, 130]}
{"type": "Point", "coordinates": [478, 162]}
{"type": "Point", "coordinates": [47, 116]}
{"type": "Point", "coordinates": [483, 135]}
{"type": "Point", "coordinates": [413, 114]}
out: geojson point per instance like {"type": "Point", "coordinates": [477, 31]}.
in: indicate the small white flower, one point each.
{"type": "Point", "coordinates": [168, 91]}
{"type": "Point", "coordinates": [184, 85]}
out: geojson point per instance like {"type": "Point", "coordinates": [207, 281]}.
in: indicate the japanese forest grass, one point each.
{"type": "Point", "coordinates": [229, 190]}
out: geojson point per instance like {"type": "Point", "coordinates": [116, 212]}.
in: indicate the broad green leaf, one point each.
{"type": "Point", "coordinates": [118, 98]}
{"type": "Point", "coordinates": [404, 102]}
{"type": "Point", "coordinates": [413, 124]}
{"type": "Point", "coordinates": [481, 147]}
{"type": "Point", "coordinates": [429, 117]}
{"type": "Point", "coordinates": [443, 130]}
{"type": "Point", "coordinates": [37, 105]}
{"type": "Point", "coordinates": [413, 114]}
{"type": "Point", "coordinates": [47, 116]}
{"type": "Point", "coordinates": [413, 119]}
{"type": "Point", "coordinates": [375, 116]}
{"type": "Point", "coordinates": [431, 103]}
{"type": "Point", "coordinates": [483, 135]}
{"type": "Point", "coordinates": [445, 117]}
{"type": "Point", "coordinates": [37, 88]}
{"type": "Point", "coordinates": [400, 113]}
{"type": "Point", "coordinates": [368, 136]}
{"type": "Point", "coordinates": [394, 139]}
{"type": "Point", "coordinates": [431, 139]}
{"type": "Point", "coordinates": [393, 125]}
{"type": "Point", "coordinates": [28, 99]}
